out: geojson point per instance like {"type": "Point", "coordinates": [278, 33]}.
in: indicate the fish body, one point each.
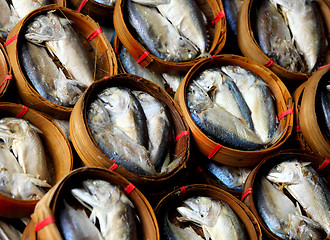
{"type": "Point", "coordinates": [160, 37]}
{"type": "Point", "coordinates": [324, 100]}
{"type": "Point", "coordinates": [107, 2]}
{"type": "Point", "coordinates": [23, 8]}
{"type": "Point", "coordinates": [5, 20]}
{"type": "Point", "coordinates": [307, 187]}
{"type": "Point", "coordinates": [8, 231]}
{"type": "Point", "coordinates": [110, 206]}
{"type": "Point", "coordinates": [232, 8]}
{"type": "Point", "coordinates": [173, 80]}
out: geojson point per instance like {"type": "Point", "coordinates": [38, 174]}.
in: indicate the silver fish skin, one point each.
{"type": "Point", "coordinates": [23, 8]}
{"type": "Point", "coordinates": [5, 21]}
{"type": "Point", "coordinates": [107, 2]}
{"type": "Point", "coordinates": [215, 217]}
{"type": "Point", "coordinates": [309, 37]}
{"type": "Point", "coordinates": [259, 100]}
{"type": "Point", "coordinates": [275, 38]}
{"type": "Point", "coordinates": [160, 37]}
{"type": "Point", "coordinates": [324, 99]}
{"type": "Point", "coordinates": [152, 3]}
{"type": "Point", "coordinates": [307, 187]}
{"type": "Point", "coordinates": [116, 144]}
{"type": "Point", "coordinates": [173, 80]}
{"type": "Point", "coordinates": [232, 8]}
{"type": "Point", "coordinates": [126, 113]}
{"type": "Point", "coordinates": [159, 128]}
{"type": "Point", "coordinates": [110, 206]}
{"type": "Point", "coordinates": [281, 215]}
{"type": "Point", "coordinates": [75, 224]}
{"type": "Point", "coordinates": [8, 231]}
{"type": "Point", "coordinates": [230, 131]}
{"type": "Point", "coordinates": [132, 67]}
{"type": "Point", "coordinates": [63, 42]}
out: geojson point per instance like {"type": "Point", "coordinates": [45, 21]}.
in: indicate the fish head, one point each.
{"type": "Point", "coordinates": [185, 50]}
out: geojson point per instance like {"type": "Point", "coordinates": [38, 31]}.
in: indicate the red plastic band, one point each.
{"type": "Point", "coordinates": [114, 165]}
{"type": "Point", "coordinates": [214, 151]}
{"type": "Point", "coordinates": [181, 135]}
{"type": "Point", "coordinates": [22, 112]}
{"type": "Point", "coordinates": [10, 40]}
{"type": "Point", "coordinates": [298, 129]}
{"type": "Point", "coordinates": [183, 191]}
{"type": "Point", "coordinates": [44, 223]}
{"type": "Point", "coordinates": [248, 191]}
{"type": "Point", "coordinates": [143, 56]}
{"type": "Point", "coordinates": [82, 5]}
{"type": "Point", "coordinates": [324, 66]}
{"type": "Point", "coordinates": [129, 188]}
{"type": "Point", "coordinates": [106, 78]}
{"type": "Point", "coordinates": [269, 63]}
{"type": "Point", "coordinates": [94, 34]}
{"type": "Point", "coordinates": [286, 112]}
{"type": "Point", "coordinates": [116, 50]}
{"type": "Point", "coordinates": [324, 164]}
{"type": "Point", "coordinates": [220, 15]}
{"type": "Point", "coordinates": [5, 79]}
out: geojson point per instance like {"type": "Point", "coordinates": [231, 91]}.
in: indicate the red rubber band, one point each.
{"type": "Point", "coordinates": [324, 66]}
{"type": "Point", "coordinates": [214, 151]}
{"type": "Point", "coordinates": [269, 63]}
{"type": "Point", "coordinates": [129, 188]}
{"type": "Point", "coordinates": [114, 166]}
{"type": "Point", "coordinates": [7, 77]}
{"type": "Point", "coordinates": [248, 191]}
{"type": "Point", "coordinates": [181, 135]}
{"type": "Point", "coordinates": [143, 56]}
{"type": "Point", "coordinates": [82, 5]}
{"type": "Point", "coordinates": [22, 112]}
{"type": "Point", "coordinates": [298, 129]}
{"type": "Point", "coordinates": [116, 50]}
{"type": "Point", "coordinates": [183, 191]}
{"type": "Point", "coordinates": [286, 112]}
{"type": "Point", "coordinates": [324, 164]}
{"type": "Point", "coordinates": [10, 40]}
{"type": "Point", "coordinates": [94, 34]}
{"type": "Point", "coordinates": [44, 223]}
{"type": "Point", "coordinates": [220, 15]}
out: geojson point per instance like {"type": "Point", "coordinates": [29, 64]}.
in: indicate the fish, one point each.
{"type": "Point", "coordinates": [23, 8]}
{"type": "Point", "coordinates": [74, 224]}
{"type": "Point", "coordinates": [307, 187]}
{"type": "Point", "coordinates": [281, 215]}
{"type": "Point", "coordinates": [107, 2]}
{"type": "Point", "coordinates": [232, 8]}
{"type": "Point", "coordinates": [275, 38]}
{"type": "Point", "coordinates": [115, 143]}
{"type": "Point", "coordinates": [152, 3]}
{"type": "Point", "coordinates": [173, 80]}
{"type": "Point", "coordinates": [323, 100]}
{"type": "Point", "coordinates": [228, 176]}
{"type": "Point", "coordinates": [158, 35]}
{"type": "Point", "coordinates": [110, 206]}
{"type": "Point", "coordinates": [159, 128]}
{"type": "Point", "coordinates": [8, 231]}
{"type": "Point", "coordinates": [215, 217]}
{"type": "Point", "coordinates": [62, 41]}
{"type": "Point", "coordinates": [6, 23]}
{"type": "Point", "coordinates": [132, 67]}
{"type": "Point", "coordinates": [309, 37]}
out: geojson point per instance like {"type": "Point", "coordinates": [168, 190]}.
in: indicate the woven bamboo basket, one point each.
{"type": "Point", "coordinates": [308, 123]}
{"type": "Point", "coordinates": [5, 73]}
{"type": "Point", "coordinates": [269, 162]}
{"type": "Point", "coordinates": [176, 197]}
{"type": "Point", "coordinates": [98, 49]}
{"type": "Point", "coordinates": [92, 155]}
{"type": "Point", "coordinates": [226, 155]}
{"type": "Point", "coordinates": [58, 151]}
{"type": "Point", "coordinates": [212, 10]}
{"type": "Point", "coordinates": [250, 48]}
{"type": "Point", "coordinates": [48, 207]}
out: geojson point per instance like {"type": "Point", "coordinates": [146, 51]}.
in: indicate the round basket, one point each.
{"type": "Point", "coordinates": [92, 155]}
{"type": "Point", "coordinates": [251, 49]}
{"type": "Point", "coordinates": [176, 197]}
{"type": "Point", "coordinates": [6, 72]}
{"type": "Point", "coordinates": [98, 48]}
{"type": "Point", "coordinates": [214, 13]}
{"type": "Point", "coordinates": [223, 154]}
{"type": "Point", "coordinates": [48, 207]}
{"type": "Point", "coordinates": [57, 149]}
{"type": "Point", "coordinates": [269, 162]}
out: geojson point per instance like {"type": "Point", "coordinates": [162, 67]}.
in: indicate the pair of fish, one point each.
{"type": "Point", "coordinates": [215, 217]}
{"type": "Point", "coordinates": [131, 127]}
{"type": "Point", "coordinates": [15, 10]}
{"type": "Point", "coordinates": [234, 107]}
{"type": "Point", "coordinates": [110, 209]}
{"type": "Point", "coordinates": [23, 163]}
{"type": "Point", "coordinates": [310, 192]}
{"type": "Point", "coordinates": [171, 30]}
{"type": "Point", "coordinates": [292, 33]}
{"type": "Point", "coordinates": [61, 82]}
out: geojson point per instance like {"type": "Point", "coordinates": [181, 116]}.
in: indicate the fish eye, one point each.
{"type": "Point", "coordinates": [36, 24]}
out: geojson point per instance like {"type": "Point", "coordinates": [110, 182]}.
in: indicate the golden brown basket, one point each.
{"type": "Point", "coordinates": [213, 10]}
{"type": "Point", "coordinates": [176, 197]}
{"type": "Point", "coordinates": [57, 148]}
{"type": "Point", "coordinates": [92, 155]}
{"type": "Point", "coordinates": [225, 155]}
{"type": "Point", "coordinates": [48, 206]}
{"type": "Point", "coordinates": [98, 49]}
